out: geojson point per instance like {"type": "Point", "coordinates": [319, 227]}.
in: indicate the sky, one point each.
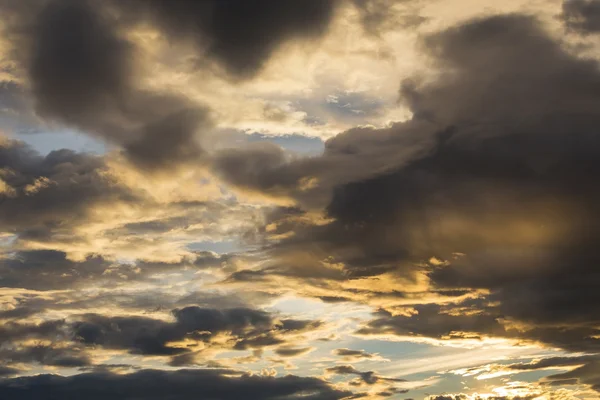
{"type": "Point", "coordinates": [299, 199]}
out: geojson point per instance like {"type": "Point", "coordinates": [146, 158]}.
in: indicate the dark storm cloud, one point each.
{"type": "Point", "coordinates": [582, 16]}
{"type": "Point", "coordinates": [82, 74]}
{"type": "Point", "coordinates": [50, 330]}
{"type": "Point", "coordinates": [479, 320]}
{"type": "Point", "coordinates": [16, 347]}
{"type": "Point", "coordinates": [47, 194]}
{"type": "Point", "coordinates": [68, 340]}
{"type": "Point", "coordinates": [176, 385]}
{"type": "Point", "coordinates": [139, 335]}
{"type": "Point", "coordinates": [254, 167]}
{"type": "Point", "coordinates": [495, 175]}
{"type": "Point", "coordinates": [240, 34]}
{"type": "Point", "coordinates": [8, 371]}
{"type": "Point", "coordinates": [46, 355]}
{"type": "Point", "coordinates": [77, 60]}
{"type": "Point", "coordinates": [82, 70]}
{"type": "Point", "coordinates": [267, 168]}
{"type": "Point", "coordinates": [49, 270]}
{"type": "Point", "coordinates": [433, 320]}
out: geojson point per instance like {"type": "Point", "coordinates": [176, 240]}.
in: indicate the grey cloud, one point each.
{"type": "Point", "coordinates": [78, 63]}
{"type": "Point", "coordinates": [240, 35]}
{"type": "Point", "coordinates": [82, 70]}
{"type": "Point", "coordinates": [478, 319]}
{"type": "Point", "coordinates": [13, 351]}
{"type": "Point", "coordinates": [498, 182]}
{"type": "Point", "coordinates": [82, 74]}
{"type": "Point", "coordinates": [49, 270]}
{"type": "Point", "coordinates": [249, 329]}
{"type": "Point", "coordinates": [51, 330]}
{"type": "Point", "coordinates": [256, 166]}
{"type": "Point", "coordinates": [176, 385]}
{"type": "Point", "coordinates": [15, 107]}
{"type": "Point", "coordinates": [368, 377]}
{"type": "Point", "coordinates": [431, 321]}
{"type": "Point", "coordinates": [582, 16]}
{"type": "Point", "coordinates": [51, 193]}
{"type": "Point", "coordinates": [8, 371]}
{"type": "Point", "coordinates": [71, 338]}
{"type": "Point", "coordinates": [46, 355]}
{"type": "Point", "coordinates": [292, 351]}
{"type": "Point", "coordinates": [52, 270]}
{"type": "Point", "coordinates": [109, 368]}
{"type": "Point", "coordinates": [349, 354]}
{"type": "Point", "coordinates": [586, 374]}
{"type": "Point", "coordinates": [269, 169]}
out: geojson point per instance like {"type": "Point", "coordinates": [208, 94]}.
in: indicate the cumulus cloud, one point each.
{"type": "Point", "coordinates": [193, 329]}
{"type": "Point", "coordinates": [46, 193]}
{"type": "Point", "coordinates": [254, 29]}
{"type": "Point", "coordinates": [488, 189]}
{"type": "Point", "coordinates": [82, 70]}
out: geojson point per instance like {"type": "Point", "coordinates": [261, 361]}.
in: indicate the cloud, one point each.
{"type": "Point", "coordinates": [349, 355]}
{"type": "Point", "coordinates": [381, 16]}
{"type": "Point", "coordinates": [488, 189]}
{"type": "Point", "coordinates": [178, 385]}
{"type": "Point", "coordinates": [587, 373]}
{"type": "Point", "coordinates": [254, 29]}
{"type": "Point", "coordinates": [49, 270]}
{"type": "Point", "coordinates": [81, 71]}
{"type": "Point", "coordinates": [582, 16]}
{"type": "Point", "coordinates": [73, 183]}
{"type": "Point", "coordinates": [46, 355]}
{"type": "Point", "coordinates": [247, 328]}
{"type": "Point", "coordinates": [368, 377]}
{"type": "Point", "coordinates": [8, 371]}
{"type": "Point", "coordinates": [237, 329]}
{"type": "Point", "coordinates": [433, 320]}
{"type": "Point", "coordinates": [475, 218]}
{"type": "Point", "coordinates": [479, 397]}
{"type": "Point", "coordinates": [580, 370]}
{"type": "Point", "coordinates": [81, 67]}
{"type": "Point", "coordinates": [89, 206]}
{"type": "Point", "coordinates": [293, 351]}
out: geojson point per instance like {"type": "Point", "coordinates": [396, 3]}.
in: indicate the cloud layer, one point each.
{"type": "Point", "coordinates": [467, 220]}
